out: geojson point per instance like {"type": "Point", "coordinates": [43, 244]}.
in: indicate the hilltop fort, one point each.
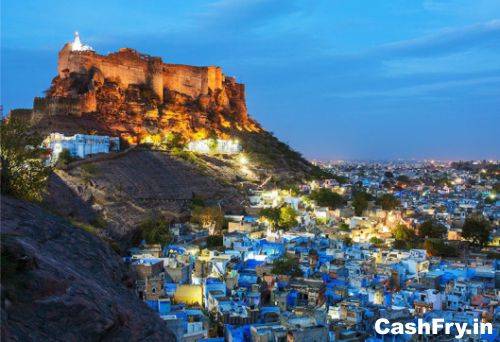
{"type": "Point", "coordinates": [134, 95]}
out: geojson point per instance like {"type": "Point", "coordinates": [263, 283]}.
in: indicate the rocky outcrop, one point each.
{"type": "Point", "coordinates": [60, 283]}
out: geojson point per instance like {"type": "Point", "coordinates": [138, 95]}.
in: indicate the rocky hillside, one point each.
{"type": "Point", "coordinates": [60, 283]}
{"type": "Point", "coordinates": [115, 195]}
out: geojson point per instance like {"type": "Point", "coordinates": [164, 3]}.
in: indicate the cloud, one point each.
{"type": "Point", "coordinates": [447, 40]}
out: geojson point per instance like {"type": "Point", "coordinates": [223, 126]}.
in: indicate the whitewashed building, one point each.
{"type": "Point", "coordinates": [221, 146]}
{"type": "Point", "coordinates": [80, 145]}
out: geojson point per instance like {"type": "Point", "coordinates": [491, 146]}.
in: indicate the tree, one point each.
{"type": "Point", "coordinates": [327, 198]}
{"type": "Point", "coordinates": [23, 172]}
{"type": "Point", "coordinates": [388, 202]}
{"type": "Point", "coordinates": [347, 240]}
{"type": "Point", "coordinates": [215, 241]}
{"type": "Point", "coordinates": [404, 237]}
{"type": "Point", "coordinates": [287, 218]}
{"type": "Point", "coordinates": [403, 179]}
{"type": "Point", "coordinates": [209, 217]}
{"type": "Point", "coordinates": [212, 145]}
{"type": "Point", "coordinates": [271, 215]}
{"type": "Point", "coordinates": [360, 202]}
{"type": "Point", "coordinates": [173, 140]}
{"type": "Point", "coordinates": [287, 266]}
{"type": "Point", "coordinates": [376, 241]}
{"type": "Point", "coordinates": [388, 174]}
{"type": "Point", "coordinates": [155, 230]}
{"type": "Point", "coordinates": [403, 233]}
{"type": "Point", "coordinates": [64, 158]}
{"type": "Point", "coordinates": [344, 227]}
{"type": "Point", "coordinates": [437, 247]}
{"type": "Point", "coordinates": [432, 229]}
{"type": "Point", "coordinates": [477, 230]}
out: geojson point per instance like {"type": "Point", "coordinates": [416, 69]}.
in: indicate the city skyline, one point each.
{"type": "Point", "coordinates": [335, 80]}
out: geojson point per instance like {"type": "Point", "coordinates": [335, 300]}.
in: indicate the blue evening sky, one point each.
{"type": "Point", "coordinates": [335, 79]}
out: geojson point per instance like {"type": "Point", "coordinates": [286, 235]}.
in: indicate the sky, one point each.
{"type": "Point", "coordinates": [335, 79]}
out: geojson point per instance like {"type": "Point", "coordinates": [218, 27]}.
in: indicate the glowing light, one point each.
{"type": "Point", "coordinates": [243, 160]}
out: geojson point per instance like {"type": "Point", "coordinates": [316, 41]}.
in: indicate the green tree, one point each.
{"type": "Point", "coordinates": [376, 241]}
{"type": "Point", "coordinates": [360, 202]}
{"type": "Point", "coordinates": [64, 158]}
{"type": "Point", "coordinates": [327, 198]}
{"type": "Point", "coordinates": [432, 229]}
{"type": "Point", "coordinates": [288, 217]}
{"type": "Point", "coordinates": [212, 145]}
{"type": "Point", "coordinates": [347, 240]}
{"type": "Point", "coordinates": [400, 244]}
{"type": "Point", "coordinates": [388, 202]}
{"type": "Point", "coordinates": [173, 140]}
{"type": "Point", "coordinates": [287, 266]}
{"type": "Point", "coordinates": [155, 230]}
{"type": "Point", "coordinates": [344, 227]}
{"type": "Point", "coordinates": [437, 247]}
{"type": "Point", "coordinates": [403, 233]}
{"type": "Point", "coordinates": [215, 241]}
{"type": "Point", "coordinates": [23, 172]}
{"type": "Point", "coordinates": [403, 179]}
{"type": "Point", "coordinates": [477, 230]}
{"type": "Point", "coordinates": [209, 217]}
{"type": "Point", "coordinates": [272, 216]}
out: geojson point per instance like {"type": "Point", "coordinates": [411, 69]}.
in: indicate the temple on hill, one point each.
{"type": "Point", "coordinates": [78, 46]}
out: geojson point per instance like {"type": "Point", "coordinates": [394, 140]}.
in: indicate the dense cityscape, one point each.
{"type": "Point", "coordinates": [323, 260]}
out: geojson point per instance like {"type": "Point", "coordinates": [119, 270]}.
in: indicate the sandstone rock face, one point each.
{"type": "Point", "coordinates": [114, 94]}
{"type": "Point", "coordinates": [60, 283]}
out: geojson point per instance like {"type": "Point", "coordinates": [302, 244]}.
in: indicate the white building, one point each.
{"type": "Point", "coordinates": [78, 46]}
{"type": "Point", "coordinates": [215, 146]}
{"type": "Point", "coordinates": [80, 145]}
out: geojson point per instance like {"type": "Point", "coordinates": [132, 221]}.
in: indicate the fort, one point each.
{"type": "Point", "coordinates": [133, 95]}
{"type": "Point", "coordinates": [127, 66]}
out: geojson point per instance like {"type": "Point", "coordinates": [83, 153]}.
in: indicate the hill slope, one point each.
{"type": "Point", "coordinates": [118, 194]}
{"type": "Point", "coordinates": [60, 283]}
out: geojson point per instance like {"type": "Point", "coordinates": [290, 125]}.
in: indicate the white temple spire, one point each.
{"type": "Point", "coordinates": [78, 46]}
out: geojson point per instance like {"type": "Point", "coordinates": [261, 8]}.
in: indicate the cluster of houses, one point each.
{"type": "Point", "coordinates": [331, 288]}
{"type": "Point", "coordinates": [85, 145]}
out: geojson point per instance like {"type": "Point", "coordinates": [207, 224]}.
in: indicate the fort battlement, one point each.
{"type": "Point", "coordinates": [127, 66]}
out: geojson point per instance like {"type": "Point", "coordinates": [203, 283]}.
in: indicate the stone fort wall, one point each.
{"type": "Point", "coordinates": [130, 67]}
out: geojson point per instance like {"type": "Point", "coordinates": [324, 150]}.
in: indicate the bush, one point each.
{"type": "Point", "coordinates": [155, 230]}
{"type": "Point", "coordinates": [64, 158]}
{"type": "Point", "coordinates": [287, 266]}
{"type": "Point", "coordinates": [477, 230]}
{"type": "Point", "coordinates": [388, 202]}
{"type": "Point", "coordinates": [214, 241]}
{"type": "Point", "coordinates": [23, 171]}
{"type": "Point", "coordinates": [432, 229]}
{"type": "Point", "coordinates": [360, 202]}
{"type": "Point", "coordinates": [327, 198]}
{"type": "Point", "coordinates": [437, 247]}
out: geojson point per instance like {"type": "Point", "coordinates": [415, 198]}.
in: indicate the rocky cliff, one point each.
{"type": "Point", "coordinates": [60, 283]}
